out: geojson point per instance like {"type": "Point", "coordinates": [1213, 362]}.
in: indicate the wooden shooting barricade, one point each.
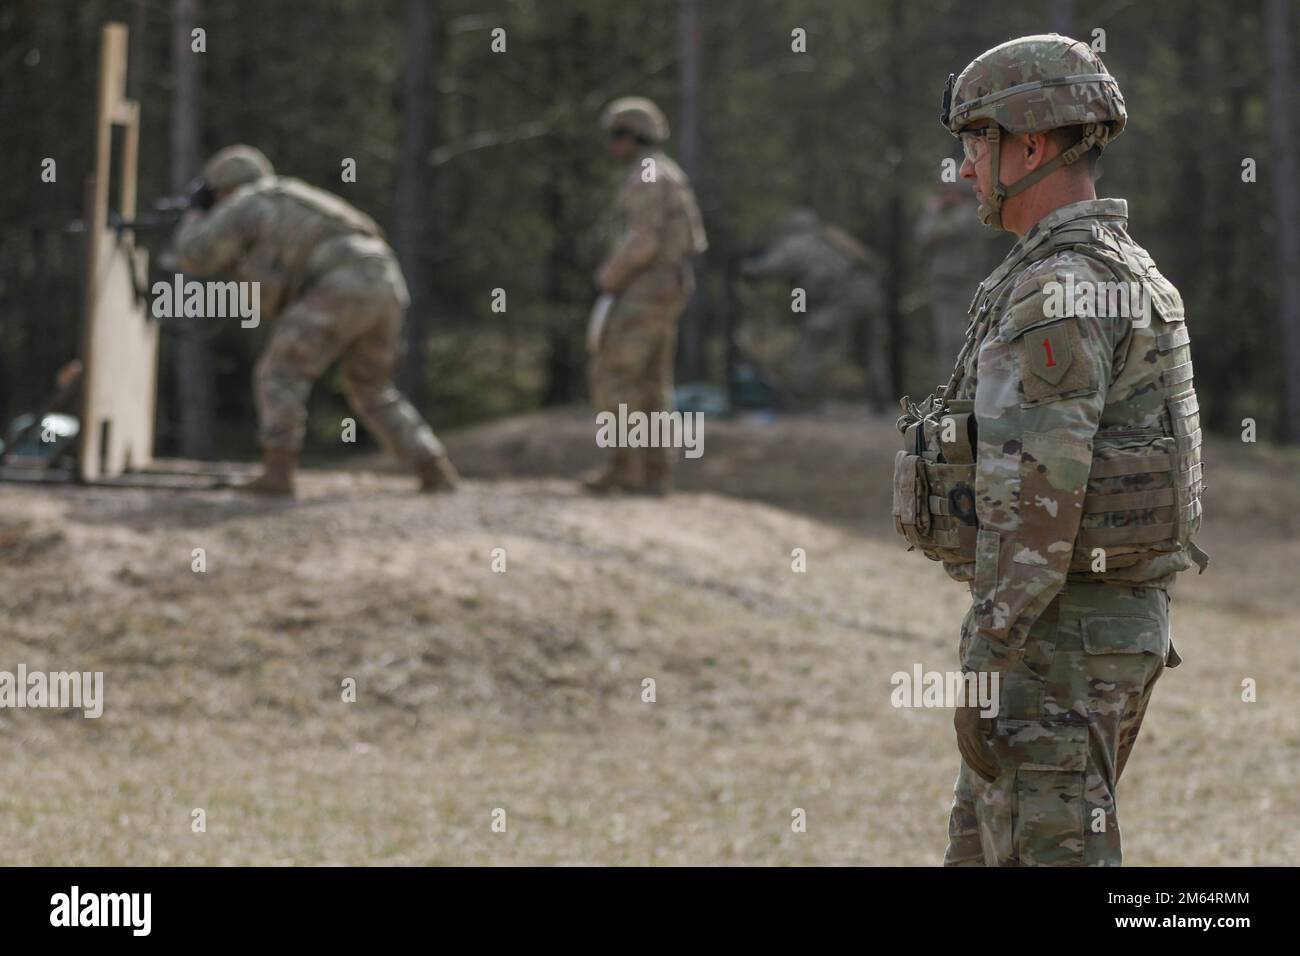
{"type": "Point", "coordinates": [119, 342]}
{"type": "Point", "coordinates": [119, 339]}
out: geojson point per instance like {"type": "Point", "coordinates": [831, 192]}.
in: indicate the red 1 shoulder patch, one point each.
{"type": "Point", "coordinates": [1048, 350]}
{"type": "Point", "coordinates": [1053, 362]}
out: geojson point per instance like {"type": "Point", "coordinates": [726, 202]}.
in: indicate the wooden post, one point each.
{"type": "Point", "coordinates": [119, 341]}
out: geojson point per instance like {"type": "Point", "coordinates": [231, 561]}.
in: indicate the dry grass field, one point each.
{"type": "Point", "coordinates": [521, 690]}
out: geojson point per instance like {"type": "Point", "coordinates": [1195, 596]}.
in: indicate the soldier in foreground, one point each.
{"type": "Point", "coordinates": [1058, 473]}
{"type": "Point", "coordinates": [841, 279]}
{"type": "Point", "coordinates": [326, 271]}
{"type": "Point", "coordinates": [648, 276]}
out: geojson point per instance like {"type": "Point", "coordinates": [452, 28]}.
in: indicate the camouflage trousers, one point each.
{"type": "Point", "coordinates": [633, 363]}
{"type": "Point", "coordinates": [1069, 715]}
{"type": "Point", "coordinates": [353, 313]}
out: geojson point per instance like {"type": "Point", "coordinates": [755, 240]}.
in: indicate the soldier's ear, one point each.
{"type": "Point", "coordinates": [1035, 147]}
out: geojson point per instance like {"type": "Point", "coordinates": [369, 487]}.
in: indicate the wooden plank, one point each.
{"type": "Point", "coordinates": [35, 473]}
{"type": "Point", "coordinates": [190, 466]}
{"type": "Point", "coordinates": [130, 150]}
{"type": "Point", "coordinates": [159, 482]}
{"type": "Point", "coordinates": [119, 339]}
{"type": "Point", "coordinates": [162, 473]}
{"type": "Point", "coordinates": [125, 112]}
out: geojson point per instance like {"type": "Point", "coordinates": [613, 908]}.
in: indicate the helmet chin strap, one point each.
{"type": "Point", "coordinates": [990, 211]}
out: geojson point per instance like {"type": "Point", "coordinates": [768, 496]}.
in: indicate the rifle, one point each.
{"type": "Point", "coordinates": [163, 219]}
{"type": "Point", "coordinates": [164, 215]}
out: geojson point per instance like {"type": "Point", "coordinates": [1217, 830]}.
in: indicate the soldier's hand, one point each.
{"type": "Point", "coordinates": [188, 217]}
{"type": "Point", "coordinates": [602, 281]}
{"type": "Point", "coordinates": [202, 196]}
{"type": "Point", "coordinates": [973, 740]}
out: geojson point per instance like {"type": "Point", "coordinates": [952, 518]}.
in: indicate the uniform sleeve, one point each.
{"type": "Point", "coordinates": [778, 259]}
{"type": "Point", "coordinates": [1041, 386]}
{"type": "Point", "coordinates": [645, 209]}
{"type": "Point", "coordinates": [213, 242]}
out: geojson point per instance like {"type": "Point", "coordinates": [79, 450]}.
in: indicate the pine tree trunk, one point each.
{"type": "Point", "coordinates": [896, 275]}
{"type": "Point", "coordinates": [693, 332]}
{"type": "Point", "coordinates": [1283, 176]}
{"type": "Point", "coordinates": [194, 391]}
{"type": "Point", "coordinates": [413, 225]}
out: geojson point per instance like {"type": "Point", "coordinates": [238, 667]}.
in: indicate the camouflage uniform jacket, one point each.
{"type": "Point", "coordinates": [825, 260]}
{"type": "Point", "coordinates": [281, 233]}
{"type": "Point", "coordinates": [657, 224]}
{"type": "Point", "coordinates": [1055, 397]}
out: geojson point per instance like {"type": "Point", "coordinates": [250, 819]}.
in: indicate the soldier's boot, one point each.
{"type": "Point", "coordinates": [278, 466]}
{"type": "Point", "coordinates": [657, 478]}
{"type": "Point", "coordinates": [618, 476]}
{"type": "Point", "coordinates": [437, 474]}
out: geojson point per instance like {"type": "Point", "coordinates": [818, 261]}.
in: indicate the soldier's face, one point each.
{"type": "Point", "coordinates": [622, 146]}
{"type": "Point", "coordinates": [975, 164]}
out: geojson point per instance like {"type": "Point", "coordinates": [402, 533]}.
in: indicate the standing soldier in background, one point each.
{"type": "Point", "coordinates": [648, 277]}
{"type": "Point", "coordinates": [840, 278]}
{"type": "Point", "coordinates": [327, 269]}
{"type": "Point", "coordinates": [1058, 473]}
{"type": "Point", "coordinates": [957, 252]}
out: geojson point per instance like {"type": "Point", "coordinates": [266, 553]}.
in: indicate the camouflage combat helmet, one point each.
{"type": "Point", "coordinates": [1030, 85]}
{"type": "Point", "coordinates": [637, 115]}
{"type": "Point", "coordinates": [235, 166]}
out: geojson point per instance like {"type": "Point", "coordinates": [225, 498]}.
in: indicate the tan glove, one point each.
{"type": "Point", "coordinates": [973, 732]}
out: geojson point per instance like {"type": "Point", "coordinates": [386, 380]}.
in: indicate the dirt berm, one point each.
{"type": "Point", "coordinates": [500, 641]}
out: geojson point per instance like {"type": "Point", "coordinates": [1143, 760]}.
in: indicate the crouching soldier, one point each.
{"type": "Point", "coordinates": [326, 272]}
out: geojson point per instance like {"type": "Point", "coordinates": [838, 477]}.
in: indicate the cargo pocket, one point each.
{"type": "Point", "coordinates": [1050, 761]}
{"type": "Point", "coordinates": [1116, 650]}
{"type": "Point", "coordinates": [1123, 635]}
